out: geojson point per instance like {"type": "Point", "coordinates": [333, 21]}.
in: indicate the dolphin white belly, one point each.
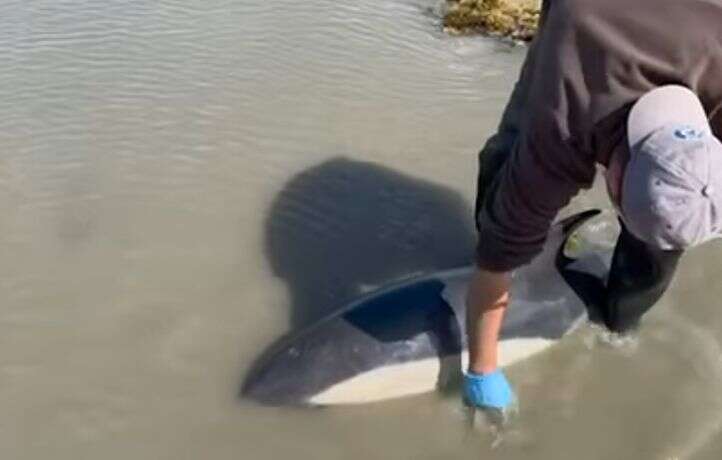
{"type": "Point", "coordinates": [415, 377]}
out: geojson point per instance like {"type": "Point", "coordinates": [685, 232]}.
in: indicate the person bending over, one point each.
{"type": "Point", "coordinates": [635, 87]}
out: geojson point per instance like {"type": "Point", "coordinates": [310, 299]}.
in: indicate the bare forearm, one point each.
{"type": "Point", "coordinates": [486, 301]}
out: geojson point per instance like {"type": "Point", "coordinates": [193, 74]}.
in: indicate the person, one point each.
{"type": "Point", "coordinates": [634, 87]}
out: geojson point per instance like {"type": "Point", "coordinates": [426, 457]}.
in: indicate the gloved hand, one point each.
{"type": "Point", "coordinates": [488, 391]}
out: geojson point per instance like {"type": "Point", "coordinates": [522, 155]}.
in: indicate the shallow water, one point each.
{"type": "Point", "coordinates": [184, 182]}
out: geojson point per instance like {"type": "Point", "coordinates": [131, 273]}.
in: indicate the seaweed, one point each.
{"type": "Point", "coordinates": [515, 19]}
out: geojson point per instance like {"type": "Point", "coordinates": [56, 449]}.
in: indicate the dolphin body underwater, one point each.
{"type": "Point", "coordinates": [409, 338]}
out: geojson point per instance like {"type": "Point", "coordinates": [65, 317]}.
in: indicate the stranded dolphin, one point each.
{"type": "Point", "coordinates": [406, 338]}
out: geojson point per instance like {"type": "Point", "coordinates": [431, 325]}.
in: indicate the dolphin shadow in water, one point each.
{"type": "Point", "coordinates": [344, 227]}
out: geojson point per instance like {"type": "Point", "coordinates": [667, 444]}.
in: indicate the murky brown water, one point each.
{"type": "Point", "coordinates": [183, 182]}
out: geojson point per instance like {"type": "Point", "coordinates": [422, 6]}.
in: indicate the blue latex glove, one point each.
{"type": "Point", "coordinates": [488, 391]}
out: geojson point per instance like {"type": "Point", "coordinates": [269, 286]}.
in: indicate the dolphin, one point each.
{"type": "Point", "coordinates": [409, 338]}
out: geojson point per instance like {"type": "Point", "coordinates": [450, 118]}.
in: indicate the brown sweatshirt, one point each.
{"type": "Point", "coordinates": [591, 60]}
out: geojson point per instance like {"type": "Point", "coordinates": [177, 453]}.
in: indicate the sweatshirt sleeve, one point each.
{"type": "Point", "coordinates": [498, 147]}
{"type": "Point", "coordinates": [530, 189]}
{"type": "Point", "coordinates": [551, 158]}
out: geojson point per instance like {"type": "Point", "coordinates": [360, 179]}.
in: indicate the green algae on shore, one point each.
{"type": "Point", "coordinates": [516, 19]}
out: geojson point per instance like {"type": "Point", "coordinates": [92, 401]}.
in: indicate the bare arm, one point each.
{"type": "Point", "coordinates": [486, 303]}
